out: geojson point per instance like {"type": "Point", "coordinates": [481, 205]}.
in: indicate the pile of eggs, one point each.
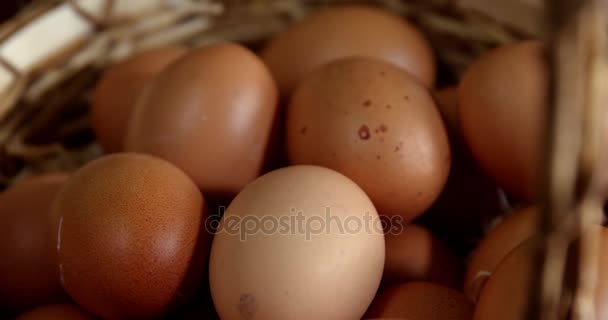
{"type": "Point", "coordinates": [291, 184]}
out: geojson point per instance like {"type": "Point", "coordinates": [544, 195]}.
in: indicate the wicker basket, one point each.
{"type": "Point", "coordinates": [52, 52]}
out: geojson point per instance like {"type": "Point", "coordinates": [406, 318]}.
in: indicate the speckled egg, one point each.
{"type": "Point", "coordinates": [130, 237]}
{"type": "Point", "coordinates": [376, 124]}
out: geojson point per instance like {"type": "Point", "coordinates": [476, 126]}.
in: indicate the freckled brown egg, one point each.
{"type": "Point", "coordinates": [130, 242]}
{"type": "Point", "coordinates": [302, 242]}
{"type": "Point", "coordinates": [415, 253]}
{"type": "Point", "coordinates": [344, 31]}
{"type": "Point", "coordinates": [210, 114]}
{"type": "Point", "coordinates": [502, 104]}
{"type": "Point", "coordinates": [504, 296]}
{"type": "Point", "coordinates": [375, 124]}
{"type": "Point", "coordinates": [421, 301]}
{"type": "Point", "coordinates": [56, 312]}
{"type": "Point", "coordinates": [118, 90]}
{"type": "Point", "coordinates": [27, 265]}
{"type": "Point", "coordinates": [506, 236]}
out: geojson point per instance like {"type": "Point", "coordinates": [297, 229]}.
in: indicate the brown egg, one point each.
{"type": "Point", "coordinates": [130, 239]}
{"type": "Point", "coordinates": [447, 103]}
{"type": "Point", "coordinates": [502, 99]}
{"type": "Point", "coordinates": [421, 301]}
{"type": "Point", "coordinates": [504, 297]}
{"type": "Point", "coordinates": [56, 312]}
{"type": "Point", "coordinates": [343, 31]}
{"type": "Point", "coordinates": [210, 114]}
{"type": "Point", "coordinates": [301, 242]}
{"type": "Point", "coordinates": [118, 90]}
{"type": "Point", "coordinates": [415, 253]}
{"type": "Point", "coordinates": [497, 244]}
{"type": "Point", "coordinates": [377, 125]}
{"type": "Point", "coordinates": [27, 268]}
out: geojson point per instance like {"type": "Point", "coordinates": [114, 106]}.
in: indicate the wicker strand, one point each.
{"type": "Point", "coordinates": [570, 197]}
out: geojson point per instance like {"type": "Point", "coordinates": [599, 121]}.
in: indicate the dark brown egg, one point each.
{"type": "Point", "coordinates": [343, 31]}
{"type": "Point", "coordinates": [502, 101]}
{"type": "Point", "coordinates": [421, 301]}
{"type": "Point", "coordinates": [504, 296]}
{"type": "Point", "coordinates": [27, 265]}
{"type": "Point", "coordinates": [56, 312]}
{"type": "Point", "coordinates": [130, 239]}
{"type": "Point", "coordinates": [211, 114]}
{"type": "Point", "coordinates": [374, 123]}
{"type": "Point", "coordinates": [498, 243]}
{"type": "Point", "coordinates": [118, 90]}
{"type": "Point", "coordinates": [414, 253]}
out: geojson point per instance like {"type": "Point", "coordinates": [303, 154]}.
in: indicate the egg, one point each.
{"type": "Point", "coordinates": [343, 31]}
{"type": "Point", "coordinates": [27, 268]}
{"type": "Point", "coordinates": [56, 312]}
{"type": "Point", "coordinates": [211, 114]}
{"type": "Point", "coordinates": [116, 93]}
{"type": "Point", "coordinates": [414, 253]}
{"type": "Point", "coordinates": [502, 102]}
{"type": "Point", "coordinates": [302, 242]}
{"type": "Point", "coordinates": [506, 236]}
{"type": "Point", "coordinates": [421, 301]}
{"type": "Point", "coordinates": [130, 238]}
{"type": "Point", "coordinates": [504, 297]}
{"type": "Point", "coordinates": [375, 124]}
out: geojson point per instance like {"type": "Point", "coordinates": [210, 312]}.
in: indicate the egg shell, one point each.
{"type": "Point", "coordinates": [211, 114]}
{"type": "Point", "coordinates": [498, 243]}
{"type": "Point", "coordinates": [28, 277]}
{"type": "Point", "coordinates": [56, 312]}
{"type": "Point", "coordinates": [502, 102]}
{"type": "Point", "coordinates": [343, 31]}
{"type": "Point", "coordinates": [375, 124]}
{"type": "Point", "coordinates": [119, 88]}
{"type": "Point", "coordinates": [421, 301]}
{"type": "Point", "coordinates": [504, 296]}
{"type": "Point", "coordinates": [131, 242]}
{"type": "Point", "coordinates": [323, 268]}
{"type": "Point", "coordinates": [414, 253]}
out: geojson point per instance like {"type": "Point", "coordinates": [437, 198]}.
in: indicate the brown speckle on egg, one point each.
{"type": "Point", "coordinates": [364, 133]}
{"type": "Point", "coordinates": [247, 306]}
